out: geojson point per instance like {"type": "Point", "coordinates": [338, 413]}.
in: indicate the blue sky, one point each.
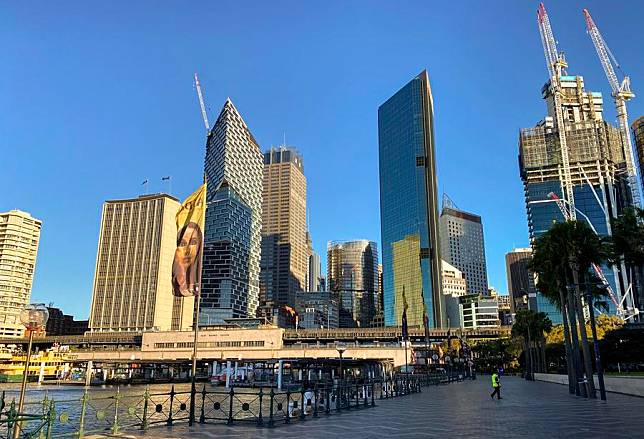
{"type": "Point", "coordinates": [97, 97]}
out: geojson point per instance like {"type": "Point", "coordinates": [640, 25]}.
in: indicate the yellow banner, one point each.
{"type": "Point", "coordinates": [186, 267]}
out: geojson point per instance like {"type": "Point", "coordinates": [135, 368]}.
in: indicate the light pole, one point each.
{"type": "Point", "coordinates": [33, 317]}
{"type": "Point", "coordinates": [341, 350]}
{"type": "Point", "coordinates": [593, 328]}
{"type": "Point", "coordinates": [526, 300]}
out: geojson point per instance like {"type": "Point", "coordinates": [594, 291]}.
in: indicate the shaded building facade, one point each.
{"type": "Point", "coordinates": [19, 238]}
{"type": "Point", "coordinates": [284, 253]}
{"type": "Point", "coordinates": [408, 205]}
{"type": "Point", "coordinates": [317, 309]}
{"type": "Point", "coordinates": [521, 280]}
{"type": "Point", "coordinates": [352, 273]}
{"type": "Point", "coordinates": [133, 278]}
{"type": "Point", "coordinates": [231, 266]}
{"type": "Point", "coordinates": [64, 324]}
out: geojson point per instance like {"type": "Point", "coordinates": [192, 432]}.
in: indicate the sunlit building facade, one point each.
{"type": "Point", "coordinates": [133, 278]}
{"type": "Point", "coordinates": [409, 207]}
{"type": "Point", "coordinates": [19, 237]}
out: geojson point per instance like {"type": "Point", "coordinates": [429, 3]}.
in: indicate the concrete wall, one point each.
{"type": "Point", "coordinates": [626, 385]}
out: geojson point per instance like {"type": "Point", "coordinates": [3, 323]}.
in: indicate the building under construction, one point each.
{"type": "Point", "coordinates": [573, 165]}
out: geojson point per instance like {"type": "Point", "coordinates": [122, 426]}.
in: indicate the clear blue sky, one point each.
{"type": "Point", "coordinates": [97, 97]}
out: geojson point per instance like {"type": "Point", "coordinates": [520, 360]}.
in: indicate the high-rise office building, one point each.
{"type": "Point", "coordinates": [133, 277]}
{"type": "Point", "coordinates": [521, 281]}
{"type": "Point", "coordinates": [284, 258]}
{"type": "Point", "coordinates": [597, 170]}
{"type": "Point", "coordinates": [234, 169]}
{"type": "Point", "coordinates": [19, 236]}
{"type": "Point", "coordinates": [408, 206]}
{"type": "Point", "coordinates": [352, 272]}
{"type": "Point", "coordinates": [463, 247]}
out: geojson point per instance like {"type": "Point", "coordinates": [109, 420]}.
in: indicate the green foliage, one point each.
{"type": "Point", "coordinates": [492, 354]}
{"type": "Point", "coordinates": [628, 237]}
{"type": "Point", "coordinates": [625, 346]}
{"type": "Point", "coordinates": [603, 323]}
{"type": "Point", "coordinates": [538, 324]}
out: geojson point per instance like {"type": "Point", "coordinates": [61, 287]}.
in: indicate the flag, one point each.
{"type": "Point", "coordinates": [186, 267]}
{"type": "Point", "coordinates": [405, 329]}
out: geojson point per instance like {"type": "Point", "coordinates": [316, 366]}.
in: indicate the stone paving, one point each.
{"type": "Point", "coordinates": [463, 410]}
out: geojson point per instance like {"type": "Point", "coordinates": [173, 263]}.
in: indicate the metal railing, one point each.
{"type": "Point", "coordinates": [264, 407]}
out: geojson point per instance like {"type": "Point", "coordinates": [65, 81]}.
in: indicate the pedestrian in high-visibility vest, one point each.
{"type": "Point", "coordinates": [496, 385]}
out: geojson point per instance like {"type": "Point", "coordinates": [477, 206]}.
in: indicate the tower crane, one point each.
{"type": "Point", "coordinates": [621, 93]}
{"type": "Point", "coordinates": [201, 103]}
{"type": "Point", "coordinates": [556, 64]}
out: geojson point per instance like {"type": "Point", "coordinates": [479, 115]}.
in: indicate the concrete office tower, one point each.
{"type": "Point", "coordinates": [284, 260]}
{"type": "Point", "coordinates": [408, 205]}
{"type": "Point", "coordinates": [234, 169]}
{"type": "Point", "coordinates": [463, 247]}
{"type": "Point", "coordinates": [133, 277]}
{"type": "Point", "coordinates": [521, 281]}
{"type": "Point", "coordinates": [315, 268]}
{"type": "Point", "coordinates": [454, 283]}
{"type": "Point", "coordinates": [352, 272]}
{"type": "Point", "coordinates": [597, 169]}
{"type": "Point", "coordinates": [19, 236]}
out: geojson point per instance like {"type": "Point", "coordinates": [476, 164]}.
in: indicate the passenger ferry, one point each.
{"type": "Point", "coordinates": [53, 362]}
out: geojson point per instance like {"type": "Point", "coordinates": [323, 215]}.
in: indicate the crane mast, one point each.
{"type": "Point", "coordinates": [556, 63]}
{"type": "Point", "coordinates": [201, 103]}
{"type": "Point", "coordinates": [621, 93]}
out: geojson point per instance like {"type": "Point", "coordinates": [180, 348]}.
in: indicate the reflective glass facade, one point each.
{"type": "Point", "coordinates": [408, 206]}
{"type": "Point", "coordinates": [353, 274]}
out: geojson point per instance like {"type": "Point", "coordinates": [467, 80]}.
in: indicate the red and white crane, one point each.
{"type": "Point", "coordinates": [621, 92]}
{"type": "Point", "coordinates": [556, 64]}
{"type": "Point", "coordinates": [204, 115]}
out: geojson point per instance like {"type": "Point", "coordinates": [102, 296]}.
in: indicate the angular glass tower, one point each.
{"type": "Point", "coordinates": [233, 166]}
{"type": "Point", "coordinates": [409, 206]}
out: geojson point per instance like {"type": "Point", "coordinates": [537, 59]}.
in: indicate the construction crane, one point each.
{"type": "Point", "coordinates": [556, 64]}
{"type": "Point", "coordinates": [201, 103]}
{"type": "Point", "coordinates": [623, 312]}
{"type": "Point", "coordinates": [621, 93]}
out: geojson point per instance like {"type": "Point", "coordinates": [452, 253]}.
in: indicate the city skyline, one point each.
{"type": "Point", "coordinates": [66, 165]}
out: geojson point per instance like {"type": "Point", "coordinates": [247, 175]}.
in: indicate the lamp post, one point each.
{"type": "Point", "coordinates": [529, 377]}
{"type": "Point", "coordinates": [593, 328]}
{"type": "Point", "coordinates": [33, 317]}
{"type": "Point", "coordinates": [341, 350]}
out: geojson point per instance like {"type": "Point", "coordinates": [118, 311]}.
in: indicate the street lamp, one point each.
{"type": "Point", "coordinates": [529, 377]}
{"type": "Point", "coordinates": [341, 349]}
{"type": "Point", "coordinates": [34, 317]}
{"type": "Point", "coordinates": [593, 328]}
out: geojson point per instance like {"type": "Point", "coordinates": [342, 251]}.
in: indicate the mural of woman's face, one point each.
{"type": "Point", "coordinates": [188, 247]}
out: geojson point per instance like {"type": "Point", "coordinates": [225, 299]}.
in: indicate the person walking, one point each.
{"type": "Point", "coordinates": [496, 385]}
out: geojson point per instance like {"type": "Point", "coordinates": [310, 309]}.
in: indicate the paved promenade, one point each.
{"type": "Point", "coordinates": [464, 410]}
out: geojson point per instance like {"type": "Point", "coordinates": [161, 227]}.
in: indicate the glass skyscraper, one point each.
{"type": "Point", "coordinates": [234, 168]}
{"type": "Point", "coordinates": [409, 207]}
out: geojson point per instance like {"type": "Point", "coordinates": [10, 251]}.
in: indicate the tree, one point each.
{"type": "Point", "coordinates": [532, 327]}
{"type": "Point", "coordinates": [562, 258]}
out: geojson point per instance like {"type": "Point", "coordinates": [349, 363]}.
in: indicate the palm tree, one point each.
{"type": "Point", "coordinates": [551, 283]}
{"type": "Point", "coordinates": [563, 256]}
{"type": "Point", "coordinates": [531, 326]}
